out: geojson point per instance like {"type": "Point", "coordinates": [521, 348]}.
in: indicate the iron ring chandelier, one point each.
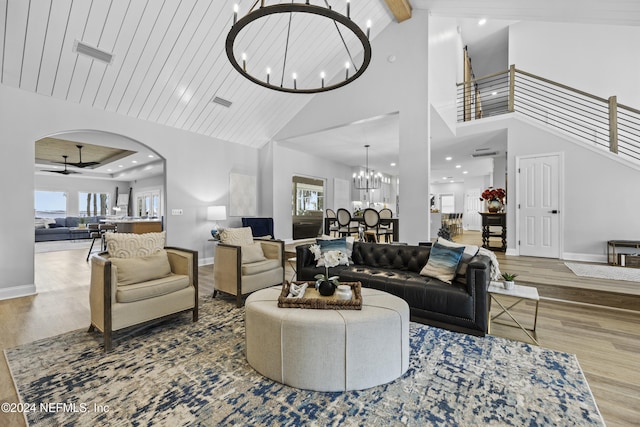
{"type": "Point", "coordinates": [291, 8]}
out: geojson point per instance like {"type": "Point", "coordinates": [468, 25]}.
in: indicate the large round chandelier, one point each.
{"type": "Point", "coordinates": [275, 46]}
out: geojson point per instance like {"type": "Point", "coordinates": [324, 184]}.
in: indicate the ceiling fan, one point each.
{"type": "Point", "coordinates": [82, 164]}
{"type": "Point", "coordinates": [65, 171]}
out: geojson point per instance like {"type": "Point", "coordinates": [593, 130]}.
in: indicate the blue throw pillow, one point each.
{"type": "Point", "coordinates": [443, 262]}
{"type": "Point", "coordinates": [332, 245]}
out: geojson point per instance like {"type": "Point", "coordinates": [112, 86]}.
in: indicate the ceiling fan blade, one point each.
{"type": "Point", "coordinates": [80, 163]}
{"type": "Point", "coordinates": [83, 164]}
{"type": "Point", "coordinates": [65, 171]}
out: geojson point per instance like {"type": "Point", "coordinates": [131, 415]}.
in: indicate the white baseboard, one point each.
{"type": "Point", "coordinates": [17, 291]}
{"type": "Point", "coordinates": [205, 261]}
{"type": "Point", "coordinates": [512, 252]}
{"type": "Point", "coordinates": [571, 256]}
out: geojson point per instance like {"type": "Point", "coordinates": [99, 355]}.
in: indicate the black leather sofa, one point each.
{"type": "Point", "coordinates": [461, 306]}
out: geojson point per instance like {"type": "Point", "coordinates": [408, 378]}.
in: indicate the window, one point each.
{"type": "Point", "coordinates": [93, 204]}
{"type": "Point", "coordinates": [50, 204]}
{"type": "Point", "coordinates": [447, 203]}
{"type": "Point", "coordinates": [148, 204]}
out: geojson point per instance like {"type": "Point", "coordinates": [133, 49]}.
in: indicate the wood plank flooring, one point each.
{"type": "Point", "coordinates": [606, 340]}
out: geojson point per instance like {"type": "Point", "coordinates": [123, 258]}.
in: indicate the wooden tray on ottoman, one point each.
{"type": "Point", "coordinates": [313, 299]}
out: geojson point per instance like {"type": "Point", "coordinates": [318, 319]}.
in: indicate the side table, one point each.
{"type": "Point", "coordinates": [490, 219]}
{"type": "Point", "coordinates": [522, 293]}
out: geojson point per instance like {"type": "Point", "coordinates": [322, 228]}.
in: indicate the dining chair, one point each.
{"type": "Point", "coordinates": [371, 219]}
{"type": "Point", "coordinates": [386, 227]}
{"type": "Point", "coordinates": [344, 222]}
{"type": "Point", "coordinates": [333, 222]}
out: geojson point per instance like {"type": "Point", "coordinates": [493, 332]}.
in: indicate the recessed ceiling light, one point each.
{"type": "Point", "coordinates": [444, 177]}
{"type": "Point", "coordinates": [451, 181]}
{"type": "Point", "coordinates": [134, 161]}
{"type": "Point", "coordinates": [482, 21]}
{"type": "Point", "coordinates": [151, 156]}
{"type": "Point", "coordinates": [458, 166]}
{"type": "Point", "coordinates": [108, 170]}
{"type": "Point", "coordinates": [120, 166]}
{"type": "Point", "coordinates": [392, 164]}
{"type": "Point", "coordinates": [465, 172]}
{"type": "Point", "coordinates": [494, 93]}
{"type": "Point", "coordinates": [448, 158]}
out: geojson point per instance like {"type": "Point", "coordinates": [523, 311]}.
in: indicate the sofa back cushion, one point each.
{"type": "Point", "coordinates": [72, 221]}
{"type": "Point", "coordinates": [131, 245]}
{"type": "Point", "coordinates": [398, 257]}
{"type": "Point", "coordinates": [142, 269]}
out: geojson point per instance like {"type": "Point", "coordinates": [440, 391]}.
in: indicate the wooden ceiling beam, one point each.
{"type": "Point", "coordinates": [401, 9]}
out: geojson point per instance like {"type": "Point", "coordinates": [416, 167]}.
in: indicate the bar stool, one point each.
{"type": "Point", "coordinates": [94, 233]}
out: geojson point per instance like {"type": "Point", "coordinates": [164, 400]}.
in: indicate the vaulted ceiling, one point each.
{"type": "Point", "coordinates": [169, 60]}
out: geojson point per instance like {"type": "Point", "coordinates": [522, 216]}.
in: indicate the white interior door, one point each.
{"type": "Point", "coordinates": [472, 207]}
{"type": "Point", "coordinates": [539, 194]}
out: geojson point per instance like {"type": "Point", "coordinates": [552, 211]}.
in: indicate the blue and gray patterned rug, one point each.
{"type": "Point", "coordinates": [180, 373]}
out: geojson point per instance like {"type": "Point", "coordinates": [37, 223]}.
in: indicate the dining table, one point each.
{"type": "Point", "coordinates": [360, 220]}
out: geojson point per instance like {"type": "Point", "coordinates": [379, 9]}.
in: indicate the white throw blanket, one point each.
{"type": "Point", "coordinates": [495, 266]}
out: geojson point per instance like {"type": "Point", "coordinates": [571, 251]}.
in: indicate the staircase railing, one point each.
{"type": "Point", "coordinates": [595, 120]}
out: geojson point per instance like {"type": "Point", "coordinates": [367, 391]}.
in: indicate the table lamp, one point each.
{"type": "Point", "coordinates": [215, 214]}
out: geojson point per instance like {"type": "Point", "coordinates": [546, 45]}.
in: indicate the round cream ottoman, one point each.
{"type": "Point", "coordinates": [328, 350]}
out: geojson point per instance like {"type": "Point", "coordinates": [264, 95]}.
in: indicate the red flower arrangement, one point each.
{"type": "Point", "coordinates": [493, 194]}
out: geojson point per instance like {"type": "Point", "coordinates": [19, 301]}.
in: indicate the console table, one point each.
{"type": "Point", "coordinates": [490, 219]}
{"type": "Point", "coordinates": [612, 257]}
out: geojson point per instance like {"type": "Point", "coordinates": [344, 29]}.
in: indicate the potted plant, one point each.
{"type": "Point", "coordinates": [82, 222]}
{"type": "Point", "coordinates": [508, 280]}
{"type": "Point", "coordinates": [326, 285]}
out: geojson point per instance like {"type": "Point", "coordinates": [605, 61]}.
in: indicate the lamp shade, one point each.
{"type": "Point", "coordinates": [216, 213]}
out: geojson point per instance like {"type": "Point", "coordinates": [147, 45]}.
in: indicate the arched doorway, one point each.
{"type": "Point", "coordinates": [105, 175]}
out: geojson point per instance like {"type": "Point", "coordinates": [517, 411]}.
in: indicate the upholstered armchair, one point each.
{"type": "Point", "coordinates": [139, 280]}
{"type": "Point", "coordinates": [242, 265]}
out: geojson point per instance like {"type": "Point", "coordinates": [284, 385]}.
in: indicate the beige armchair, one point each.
{"type": "Point", "coordinates": [130, 291]}
{"type": "Point", "coordinates": [233, 276]}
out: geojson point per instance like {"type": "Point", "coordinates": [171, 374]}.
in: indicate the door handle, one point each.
{"type": "Point", "coordinates": [555, 211]}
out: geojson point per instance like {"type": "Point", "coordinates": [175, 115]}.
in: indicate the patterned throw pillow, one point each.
{"type": "Point", "coordinates": [443, 262]}
{"type": "Point", "coordinates": [131, 245]}
{"type": "Point", "coordinates": [469, 252]}
{"type": "Point", "coordinates": [237, 236]}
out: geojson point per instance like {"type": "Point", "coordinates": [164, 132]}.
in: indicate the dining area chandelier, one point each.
{"type": "Point", "coordinates": [367, 180]}
{"type": "Point", "coordinates": [299, 47]}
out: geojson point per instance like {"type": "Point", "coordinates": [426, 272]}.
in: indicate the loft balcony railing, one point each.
{"type": "Point", "coordinates": [598, 121]}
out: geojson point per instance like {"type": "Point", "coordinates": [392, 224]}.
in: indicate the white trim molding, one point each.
{"type": "Point", "coordinates": [17, 291]}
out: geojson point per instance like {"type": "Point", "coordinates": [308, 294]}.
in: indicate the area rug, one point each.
{"type": "Point", "coordinates": [182, 373]}
{"type": "Point", "coordinates": [600, 271]}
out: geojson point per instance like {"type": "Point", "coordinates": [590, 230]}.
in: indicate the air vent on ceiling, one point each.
{"type": "Point", "coordinates": [485, 154]}
{"type": "Point", "coordinates": [93, 52]}
{"type": "Point", "coordinates": [221, 101]}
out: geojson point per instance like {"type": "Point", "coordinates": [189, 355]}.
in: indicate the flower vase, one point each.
{"type": "Point", "coordinates": [494, 205]}
{"type": "Point", "coordinates": [325, 288]}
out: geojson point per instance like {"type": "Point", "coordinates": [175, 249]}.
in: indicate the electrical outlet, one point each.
{"type": "Point", "coordinates": [176, 211]}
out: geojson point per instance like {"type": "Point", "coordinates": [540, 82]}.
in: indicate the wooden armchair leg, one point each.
{"type": "Point", "coordinates": [91, 328]}
{"type": "Point", "coordinates": [108, 341]}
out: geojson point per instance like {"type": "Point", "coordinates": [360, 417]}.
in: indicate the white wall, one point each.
{"type": "Point", "coordinates": [445, 64]}
{"type": "Point", "coordinates": [601, 198]}
{"type": "Point", "coordinates": [195, 175]}
{"type": "Point", "coordinates": [397, 81]}
{"type": "Point", "coordinates": [599, 59]}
